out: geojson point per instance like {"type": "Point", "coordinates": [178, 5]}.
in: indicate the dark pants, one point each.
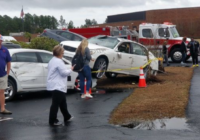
{"type": "Point", "coordinates": [58, 101]}
{"type": "Point", "coordinates": [166, 59]}
{"type": "Point", "coordinates": [85, 73]}
{"type": "Point", "coordinates": [183, 57]}
{"type": "Point", "coordinates": [194, 59]}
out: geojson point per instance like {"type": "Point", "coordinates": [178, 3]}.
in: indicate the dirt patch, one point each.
{"type": "Point", "coordinates": [124, 82]}
{"type": "Point", "coordinates": [121, 82]}
{"type": "Point", "coordinates": [165, 98]}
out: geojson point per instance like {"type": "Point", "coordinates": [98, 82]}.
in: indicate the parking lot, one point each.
{"type": "Point", "coordinates": [30, 118]}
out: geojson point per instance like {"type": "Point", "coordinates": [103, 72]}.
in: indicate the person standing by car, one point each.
{"type": "Point", "coordinates": [194, 48]}
{"type": "Point", "coordinates": [183, 50]}
{"type": "Point", "coordinates": [57, 85]}
{"type": "Point", "coordinates": [4, 62]}
{"type": "Point", "coordinates": [86, 71]}
{"type": "Point", "coordinates": [165, 52]}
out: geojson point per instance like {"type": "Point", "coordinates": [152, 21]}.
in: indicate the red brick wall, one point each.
{"type": "Point", "coordinates": [23, 39]}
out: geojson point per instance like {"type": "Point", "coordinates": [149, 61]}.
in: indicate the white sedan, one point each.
{"type": "Point", "coordinates": [29, 71]}
{"type": "Point", "coordinates": [112, 54]}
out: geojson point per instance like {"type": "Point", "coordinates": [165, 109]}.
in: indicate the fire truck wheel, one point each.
{"type": "Point", "coordinates": [111, 75]}
{"type": "Point", "coordinates": [176, 55]}
{"type": "Point", "coordinates": [101, 66]}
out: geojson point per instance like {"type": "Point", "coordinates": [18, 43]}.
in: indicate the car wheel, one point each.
{"type": "Point", "coordinates": [111, 75]}
{"type": "Point", "coordinates": [152, 72]}
{"type": "Point", "coordinates": [176, 55]}
{"type": "Point", "coordinates": [101, 66]}
{"type": "Point", "coordinates": [10, 91]}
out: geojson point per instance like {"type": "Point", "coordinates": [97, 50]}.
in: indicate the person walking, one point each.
{"type": "Point", "coordinates": [165, 52]}
{"type": "Point", "coordinates": [86, 71]}
{"type": "Point", "coordinates": [57, 86]}
{"type": "Point", "coordinates": [194, 48]}
{"type": "Point", "coordinates": [4, 63]}
{"type": "Point", "coordinates": [183, 49]}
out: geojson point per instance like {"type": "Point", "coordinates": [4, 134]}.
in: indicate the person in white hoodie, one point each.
{"type": "Point", "coordinates": [57, 86]}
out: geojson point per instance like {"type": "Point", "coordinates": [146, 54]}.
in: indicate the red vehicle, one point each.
{"type": "Point", "coordinates": [150, 35]}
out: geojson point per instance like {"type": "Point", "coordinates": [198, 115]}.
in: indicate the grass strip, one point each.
{"type": "Point", "coordinates": [168, 98]}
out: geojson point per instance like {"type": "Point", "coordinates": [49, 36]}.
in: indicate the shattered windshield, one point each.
{"type": "Point", "coordinates": [105, 41]}
{"type": "Point", "coordinates": [174, 32]}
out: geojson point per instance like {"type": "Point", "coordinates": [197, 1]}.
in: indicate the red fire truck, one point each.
{"type": "Point", "coordinates": [149, 34]}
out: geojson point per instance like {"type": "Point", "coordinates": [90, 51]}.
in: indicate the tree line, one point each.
{"type": "Point", "coordinates": [36, 24]}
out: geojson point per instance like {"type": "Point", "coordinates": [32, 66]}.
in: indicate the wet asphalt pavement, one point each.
{"type": "Point", "coordinates": [30, 118]}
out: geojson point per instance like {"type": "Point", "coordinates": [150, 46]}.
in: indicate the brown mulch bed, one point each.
{"type": "Point", "coordinates": [167, 98]}
{"type": "Point", "coordinates": [121, 82]}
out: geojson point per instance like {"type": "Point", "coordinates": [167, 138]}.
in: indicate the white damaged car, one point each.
{"type": "Point", "coordinates": [114, 55]}
{"type": "Point", "coordinates": [29, 68]}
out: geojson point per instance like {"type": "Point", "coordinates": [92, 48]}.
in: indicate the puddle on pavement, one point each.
{"type": "Point", "coordinates": [161, 124]}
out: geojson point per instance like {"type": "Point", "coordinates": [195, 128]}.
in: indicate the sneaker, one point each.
{"type": "Point", "coordinates": [6, 112]}
{"type": "Point", "coordinates": [70, 119]}
{"type": "Point", "coordinates": [89, 95]}
{"type": "Point", "coordinates": [55, 124]}
{"type": "Point", "coordinates": [193, 66]}
{"type": "Point", "coordinates": [83, 96]}
{"type": "Point", "coordinates": [197, 65]}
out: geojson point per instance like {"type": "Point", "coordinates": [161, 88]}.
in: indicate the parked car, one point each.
{"type": "Point", "coordinates": [8, 38]}
{"type": "Point", "coordinates": [61, 35]}
{"type": "Point", "coordinates": [29, 71]}
{"type": "Point", "coordinates": [10, 45]}
{"type": "Point", "coordinates": [113, 53]}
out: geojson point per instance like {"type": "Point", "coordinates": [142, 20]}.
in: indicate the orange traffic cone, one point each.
{"type": "Point", "coordinates": [90, 91]}
{"type": "Point", "coordinates": [142, 81]}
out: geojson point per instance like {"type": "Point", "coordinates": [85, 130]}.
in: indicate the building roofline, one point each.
{"type": "Point", "coordinates": [156, 10]}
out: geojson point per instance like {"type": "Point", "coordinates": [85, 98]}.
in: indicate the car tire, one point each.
{"type": "Point", "coordinates": [176, 55]}
{"type": "Point", "coordinates": [111, 75]}
{"type": "Point", "coordinates": [100, 65]}
{"type": "Point", "coordinates": [152, 72]}
{"type": "Point", "coordinates": [10, 91]}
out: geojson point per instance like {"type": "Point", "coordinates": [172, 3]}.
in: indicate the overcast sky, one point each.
{"type": "Point", "coordinates": [79, 10]}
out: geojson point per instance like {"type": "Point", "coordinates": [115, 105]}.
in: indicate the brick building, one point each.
{"type": "Point", "coordinates": [187, 20]}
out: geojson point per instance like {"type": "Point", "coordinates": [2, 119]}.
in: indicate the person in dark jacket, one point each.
{"type": "Point", "coordinates": [194, 48]}
{"type": "Point", "coordinates": [85, 73]}
{"type": "Point", "coordinates": [165, 52]}
{"type": "Point", "coordinates": [183, 50]}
